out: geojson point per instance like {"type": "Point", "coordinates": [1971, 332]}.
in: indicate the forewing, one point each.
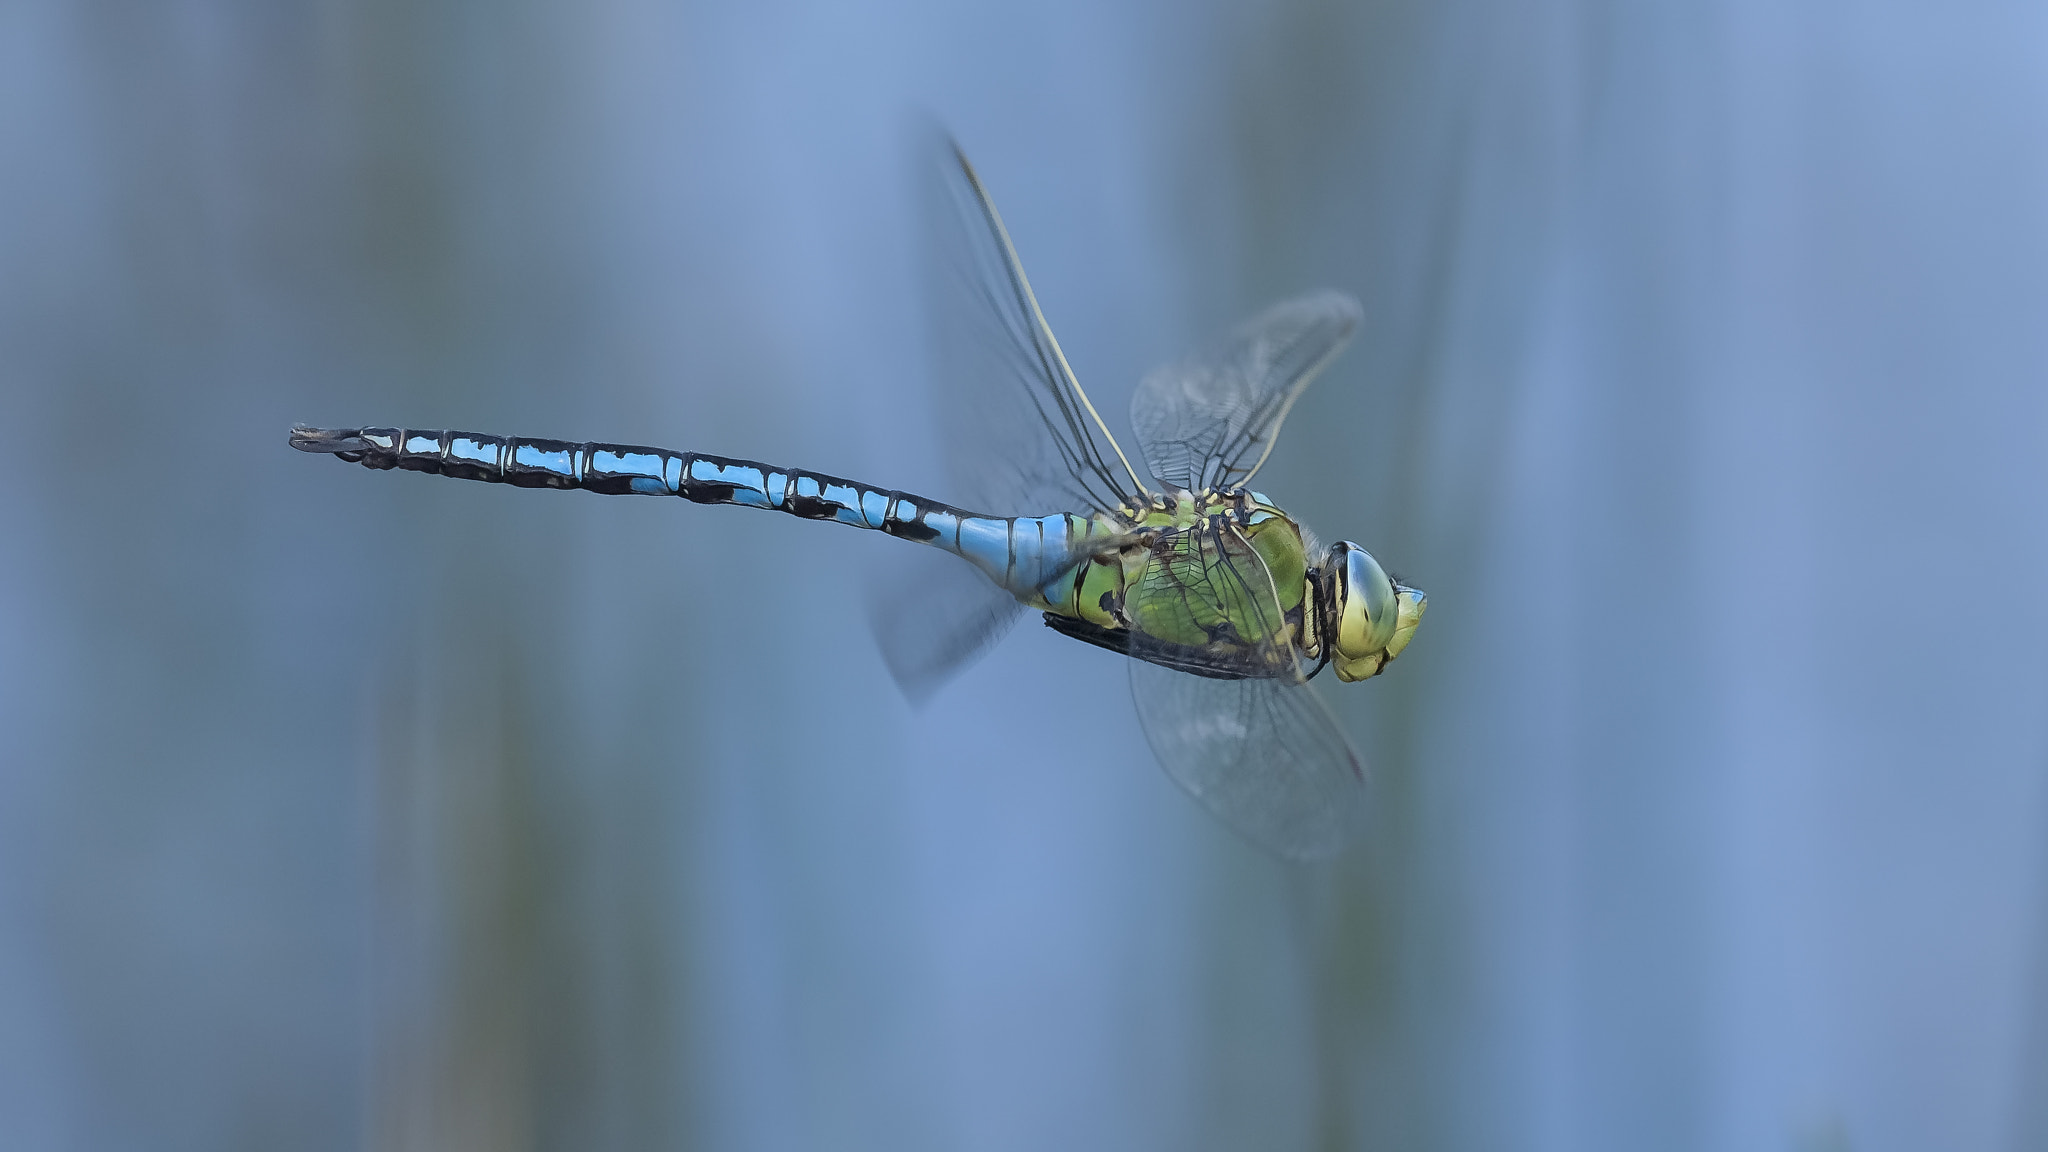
{"type": "Point", "coordinates": [1208, 421]}
{"type": "Point", "coordinates": [1021, 434]}
{"type": "Point", "coordinates": [1018, 433]}
{"type": "Point", "coordinates": [1206, 588]}
{"type": "Point", "coordinates": [1264, 755]}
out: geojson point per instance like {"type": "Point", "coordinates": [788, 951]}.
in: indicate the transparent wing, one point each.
{"type": "Point", "coordinates": [1208, 422]}
{"type": "Point", "coordinates": [1021, 434]}
{"type": "Point", "coordinates": [933, 615]}
{"type": "Point", "coordinates": [1224, 697]}
{"type": "Point", "coordinates": [1206, 602]}
{"type": "Point", "coordinates": [1264, 755]}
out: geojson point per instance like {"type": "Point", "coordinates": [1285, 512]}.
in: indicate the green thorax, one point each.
{"type": "Point", "coordinates": [1218, 579]}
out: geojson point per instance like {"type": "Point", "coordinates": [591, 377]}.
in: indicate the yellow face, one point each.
{"type": "Point", "coordinates": [1375, 616]}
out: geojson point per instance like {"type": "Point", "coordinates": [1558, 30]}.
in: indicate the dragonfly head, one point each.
{"type": "Point", "coordinates": [1375, 617]}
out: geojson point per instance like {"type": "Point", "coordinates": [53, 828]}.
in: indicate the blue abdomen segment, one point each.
{"type": "Point", "coordinates": [1022, 554]}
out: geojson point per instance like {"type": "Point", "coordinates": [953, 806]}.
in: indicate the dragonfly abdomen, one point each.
{"type": "Point", "coordinates": [1019, 553]}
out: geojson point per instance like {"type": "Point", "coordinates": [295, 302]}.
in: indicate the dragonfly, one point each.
{"type": "Point", "coordinates": [1223, 605]}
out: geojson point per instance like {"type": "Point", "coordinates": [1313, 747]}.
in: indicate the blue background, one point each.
{"type": "Point", "coordinates": [1703, 383]}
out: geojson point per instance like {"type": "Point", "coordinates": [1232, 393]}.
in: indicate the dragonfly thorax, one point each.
{"type": "Point", "coordinates": [1216, 582]}
{"type": "Point", "coordinates": [1179, 508]}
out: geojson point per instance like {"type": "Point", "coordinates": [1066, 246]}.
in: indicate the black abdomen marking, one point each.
{"type": "Point", "coordinates": [634, 470]}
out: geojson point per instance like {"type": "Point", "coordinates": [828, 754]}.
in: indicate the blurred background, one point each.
{"type": "Point", "coordinates": [1701, 384]}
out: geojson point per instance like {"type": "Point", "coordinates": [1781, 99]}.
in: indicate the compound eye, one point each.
{"type": "Point", "coordinates": [1370, 608]}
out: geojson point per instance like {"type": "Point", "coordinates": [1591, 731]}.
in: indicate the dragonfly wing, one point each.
{"type": "Point", "coordinates": [1022, 436]}
{"type": "Point", "coordinates": [1223, 694]}
{"type": "Point", "coordinates": [1206, 588]}
{"type": "Point", "coordinates": [1208, 421]}
{"type": "Point", "coordinates": [933, 615]}
{"type": "Point", "coordinates": [1263, 755]}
